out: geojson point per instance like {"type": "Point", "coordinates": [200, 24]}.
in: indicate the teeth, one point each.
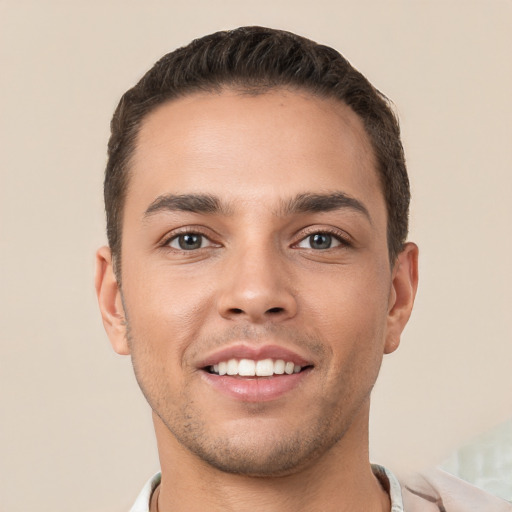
{"type": "Point", "coordinates": [279, 367]}
{"type": "Point", "coordinates": [246, 368]}
{"type": "Point", "coordinates": [251, 368]}
{"type": "Point", "coordinates": [232, 367]}
{"type": "Point", "coordinates": [265, 368]}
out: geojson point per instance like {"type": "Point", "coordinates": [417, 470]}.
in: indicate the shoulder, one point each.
{"type": "Point", "coordinates": [438, 491]}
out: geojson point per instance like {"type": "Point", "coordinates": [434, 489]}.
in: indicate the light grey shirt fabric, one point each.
{"type": "Point", "coordinates": [486, 461]}
{"type": "Point", "coordinates": [438, 491]}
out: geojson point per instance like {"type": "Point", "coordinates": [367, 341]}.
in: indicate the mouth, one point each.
{"type": "Point", "coordinates": [255, 374]}
{"type": "Point", "coordinates": [255, 368]}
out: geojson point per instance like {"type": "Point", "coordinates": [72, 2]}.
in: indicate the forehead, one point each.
{"type": "Point", "coordinates": [252, 147]}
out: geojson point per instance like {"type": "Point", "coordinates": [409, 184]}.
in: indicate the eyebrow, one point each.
{"type": "Point", "coordinates": [194, 203]}
{"type": "Point", "coordinates": [301, 203]}
{"type": "Point", "coordinates": [311, 203]}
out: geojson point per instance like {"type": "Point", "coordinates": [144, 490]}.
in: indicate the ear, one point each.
{"type": "Point", "coordinates": [401, 298]}
{"type": "Point", "coordinates": [109, 300]}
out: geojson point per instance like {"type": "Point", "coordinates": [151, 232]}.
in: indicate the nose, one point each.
{"type": "Point", "coordinates": [257, 287]}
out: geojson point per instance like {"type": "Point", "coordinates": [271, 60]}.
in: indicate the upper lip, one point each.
{"type": "Point", "coordinates": [257, 353]}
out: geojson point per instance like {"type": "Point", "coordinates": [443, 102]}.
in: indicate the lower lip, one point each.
{"type": "Point", "coordinates": [255, 389]}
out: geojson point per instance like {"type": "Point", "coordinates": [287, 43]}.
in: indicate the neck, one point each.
{"type": "Point", "coordinates": [340, 480]}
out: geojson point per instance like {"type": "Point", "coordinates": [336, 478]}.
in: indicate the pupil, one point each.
{"type": "Point", "coordinates": [320, 241]}
{"type": "Point", "coordinates": [188, 242]}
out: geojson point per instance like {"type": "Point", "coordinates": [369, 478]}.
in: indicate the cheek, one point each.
{"type": "Point", "coordinates": [347, 298]}
{"type": "Point", "coordinates": [164, 314]}
{"type": "Point", "coordinates": [163, 320]}
{"type": "Point", "coordinates": [348, 309]}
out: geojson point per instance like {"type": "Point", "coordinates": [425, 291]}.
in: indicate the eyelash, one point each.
{"type": "Point", "coordinates": [343, 239]}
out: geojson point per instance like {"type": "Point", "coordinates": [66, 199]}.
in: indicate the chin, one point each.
{"type": "Point", "coordinates": [259, 448]}
{"type": "Point", "coordinates": [281, 459]}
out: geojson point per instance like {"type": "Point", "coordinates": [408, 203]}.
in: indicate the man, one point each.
{"type": "Point", "coordinates": [257, 271]}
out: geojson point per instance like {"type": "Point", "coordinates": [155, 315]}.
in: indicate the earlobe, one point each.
{"type": "Point", "coordinates": [110, 303]}
{"type": "Point", "coordinates": [402, 294]}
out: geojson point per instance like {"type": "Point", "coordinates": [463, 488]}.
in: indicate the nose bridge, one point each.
{"type": "Point", "coordinates": [257, 285]}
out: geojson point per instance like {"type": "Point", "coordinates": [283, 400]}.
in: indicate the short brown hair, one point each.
{"type": "Point", "coordinates": [258, 59]}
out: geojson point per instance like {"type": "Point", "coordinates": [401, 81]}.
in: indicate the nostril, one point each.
{"type": "Point", "coordinates": [275, 310]}
{"type": "Point", "coordinates": [236, 311]}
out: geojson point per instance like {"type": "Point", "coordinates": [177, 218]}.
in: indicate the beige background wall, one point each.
{"type": "Point", "coordinates": [75, 431]}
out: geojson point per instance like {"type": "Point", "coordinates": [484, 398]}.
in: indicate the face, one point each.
{"type": "Point", "coordinates": [257, 295]}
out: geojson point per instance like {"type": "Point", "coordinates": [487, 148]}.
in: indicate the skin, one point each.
{"type": "Point", "coordinates": [258, 279]}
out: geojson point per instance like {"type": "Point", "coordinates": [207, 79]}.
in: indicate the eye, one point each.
{"type": "Point", "coordinates": [189, 242]}
{"type": "Point", "coordinates": [319, 241]}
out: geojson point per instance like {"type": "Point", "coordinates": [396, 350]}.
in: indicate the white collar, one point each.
{"type": "Point", "coordinates": [387, 479]}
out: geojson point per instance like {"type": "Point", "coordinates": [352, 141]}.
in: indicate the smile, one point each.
{"type": "Point", "coordinates": [255, 368]}
{"type": "Point", "coordinates": [255, 373]}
